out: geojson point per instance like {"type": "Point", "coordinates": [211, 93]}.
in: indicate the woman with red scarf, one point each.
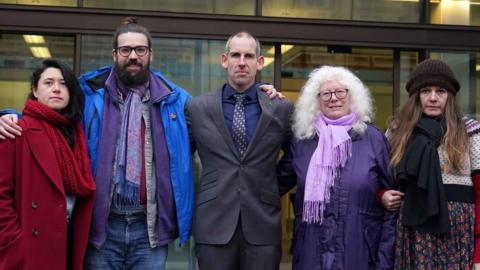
{"type": "Point", "coordinates": [46, 186]}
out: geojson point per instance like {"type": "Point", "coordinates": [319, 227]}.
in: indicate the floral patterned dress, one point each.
{"type": "Point", "coordinates": [454, 250]}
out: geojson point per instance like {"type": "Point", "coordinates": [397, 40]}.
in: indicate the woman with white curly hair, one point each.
{"type": "Point", "coordinates": [340, 160]}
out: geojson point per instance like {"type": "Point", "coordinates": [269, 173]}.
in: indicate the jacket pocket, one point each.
{"type": "Point", "coordinates": [270, 198]}
{"type": "Point", "coordinates": [208, 181]}
{"type": "Point", "coordinates": [208, 178]}
{"type": "Point", "coordinates": [207, 194]}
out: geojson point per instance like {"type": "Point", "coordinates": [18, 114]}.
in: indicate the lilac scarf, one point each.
{"type": "Point", "coordinates": [333, 150]}
{"type": "Point", "coordinates": [129, 155]}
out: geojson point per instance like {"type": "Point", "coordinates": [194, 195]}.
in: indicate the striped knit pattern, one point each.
{"type": "Point", "coordinates": [473, 126]}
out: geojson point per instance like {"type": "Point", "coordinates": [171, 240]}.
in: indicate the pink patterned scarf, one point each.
{"type": "Point", "coordinates": [129, 150]}
{"type": "Point", "coordinates": [332, 152]}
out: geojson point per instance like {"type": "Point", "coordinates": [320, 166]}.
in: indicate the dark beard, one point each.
{"type": "Point", "coordinates": [132, 80]}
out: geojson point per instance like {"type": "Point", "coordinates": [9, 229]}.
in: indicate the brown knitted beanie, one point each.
{"type": "Point", "coordinates": [432, 72]}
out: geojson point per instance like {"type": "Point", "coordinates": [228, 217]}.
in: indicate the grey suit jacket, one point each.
{"type": "Point", "coordinates": [231, 187]}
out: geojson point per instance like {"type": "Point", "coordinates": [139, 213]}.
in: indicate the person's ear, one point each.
{"type": "Point", "coordinates": [260, 62]}
{"type": "Point", "coordinates": [34, 91]}
{"type": "Point", "coordinates": [223, 60]}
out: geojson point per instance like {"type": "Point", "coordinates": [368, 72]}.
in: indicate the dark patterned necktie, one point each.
{"type": "Point", "coordinates": [238, 125]}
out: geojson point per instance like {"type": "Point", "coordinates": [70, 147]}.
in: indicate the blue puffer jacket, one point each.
{"type": "Point", "coordinates": [176, 137]}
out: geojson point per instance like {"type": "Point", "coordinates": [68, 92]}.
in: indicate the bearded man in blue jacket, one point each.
{"type": "Point", "coordinates": [139, 147]}
{"type": "Point", "coordinates": [140, 153]}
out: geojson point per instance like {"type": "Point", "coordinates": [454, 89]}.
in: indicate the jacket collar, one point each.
{"type": "Point", "coordinates": [229, 91]}
{"type": "Point", "coordinates": [43, 152]}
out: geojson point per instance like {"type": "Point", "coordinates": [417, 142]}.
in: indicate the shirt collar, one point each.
{"type": "Point", "coordinates": [229, 91]}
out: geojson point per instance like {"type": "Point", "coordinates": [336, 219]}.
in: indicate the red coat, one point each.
{"type": "Point", "coordinates": [33, 225]}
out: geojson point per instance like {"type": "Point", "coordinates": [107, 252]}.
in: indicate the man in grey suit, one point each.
{"type": "Point", "coordinates": [238, 132]}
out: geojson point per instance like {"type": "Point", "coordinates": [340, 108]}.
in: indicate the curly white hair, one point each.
{"type": "Point", "coordinates": [307, 108]}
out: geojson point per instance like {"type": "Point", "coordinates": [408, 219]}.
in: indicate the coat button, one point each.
{"type": "Point", "coordinates": [34, 205]}
{"type": "Point", "coordinates": [35, 232]}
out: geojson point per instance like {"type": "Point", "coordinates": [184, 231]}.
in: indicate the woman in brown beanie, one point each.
{"type": "Point", "coordinates": [436, 161]}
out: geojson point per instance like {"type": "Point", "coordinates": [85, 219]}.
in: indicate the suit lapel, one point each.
{"type": "Point", "coordinates": [263, 122]}
{"type": "Point", "coordinates": [44, 154]}
{"type": "Point", "coordinates": [219, 119]}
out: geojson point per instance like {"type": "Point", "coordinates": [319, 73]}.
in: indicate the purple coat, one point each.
{"type": "Point", "coordinates": [357, 233]}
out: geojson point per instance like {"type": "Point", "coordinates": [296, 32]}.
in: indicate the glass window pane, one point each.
{"type": "Point", "coordinates": [62, 3]}
{"type": "Point", "coordinates": [96, 52]}
{"type": "Point", "coordinates": [323, 9]}
{"type": "Point", "coordinates": [236, 7]}
{"type": "Point", "coordinates": [19, 56]}
{"type": "Point", "coordinates": [464, 66]}
{"type": "Point", "coordinates": [459, 12]}
{"type": "Point", "coordinates": [267, 73]}
{"type": "Point", "coordinates": [408, 61]}
{"type": "Point", "coordinates": [374, 10]}
{"type": "Point", "coordinates": [386, 11]}
{"type": "Point", "coordinates": [373, 66]}
{"type": "Point", "coordinates": [193, 64]}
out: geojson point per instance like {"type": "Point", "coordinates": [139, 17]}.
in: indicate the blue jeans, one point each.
{"type": "Point", "coordinates": [127, 246]}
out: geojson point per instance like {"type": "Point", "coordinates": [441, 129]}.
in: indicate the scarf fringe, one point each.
{"type": "Point", "coordinates": [127, 194]}
{"type": "Point", "coordinates": [311, 210]}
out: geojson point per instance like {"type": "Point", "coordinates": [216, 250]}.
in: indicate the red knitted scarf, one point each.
{"type": "Point", "coordinates": [74, 164]}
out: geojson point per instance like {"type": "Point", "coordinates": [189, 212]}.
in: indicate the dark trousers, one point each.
{"type": "Point", "coordinates": [238, 254]}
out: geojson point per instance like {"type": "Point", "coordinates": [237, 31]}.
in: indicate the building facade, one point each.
{"type": "Point", "coordinates": [380, 40]}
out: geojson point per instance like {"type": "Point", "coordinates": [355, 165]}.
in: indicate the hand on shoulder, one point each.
{"type": "Point", "coordinates": [9, 127]}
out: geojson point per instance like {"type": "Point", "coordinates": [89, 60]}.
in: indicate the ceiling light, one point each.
{"type": "Point", "coordinates": [40, 52]}
{"type": "Point", "coordinates": [34, 39]}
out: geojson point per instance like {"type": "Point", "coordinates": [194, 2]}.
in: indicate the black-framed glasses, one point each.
{"type": "Point", "coordinates": [127, 50]}
{"type": "Point", "coordinates": [340, 93]}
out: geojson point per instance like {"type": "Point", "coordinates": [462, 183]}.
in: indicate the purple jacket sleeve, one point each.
{"type": "Point", "coordinates": [286, 176]}
{"type": "Point", "coordinates": [385, 256]}
{"type": "Point", "coordinates": [10, 111]}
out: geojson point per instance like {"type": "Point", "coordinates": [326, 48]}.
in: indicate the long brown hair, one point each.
{"type": "Point", "coordinates": [454, 142]}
